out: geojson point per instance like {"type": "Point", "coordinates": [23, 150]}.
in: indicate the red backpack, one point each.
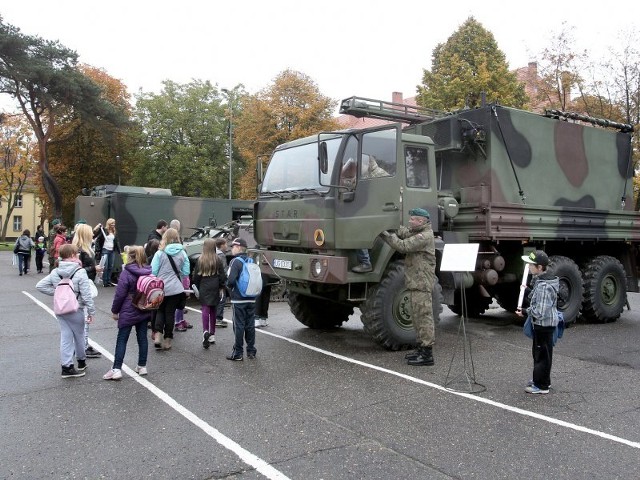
{"type": "Point", "coordinates": [149, 292]}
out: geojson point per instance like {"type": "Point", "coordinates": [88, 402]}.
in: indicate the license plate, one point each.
{"type": "Point", "coordinates": [285, 264]}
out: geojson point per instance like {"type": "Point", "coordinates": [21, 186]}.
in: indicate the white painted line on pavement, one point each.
{"type": "Point", "coordinates": [519, 411]}
{"type": "Point", "coordinates": [247, 457]}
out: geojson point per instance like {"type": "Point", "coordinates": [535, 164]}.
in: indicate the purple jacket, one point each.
{"type": "Point", "coordinates": [122, 301]}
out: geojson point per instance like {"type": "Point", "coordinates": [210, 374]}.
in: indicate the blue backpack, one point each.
{"type": "Point", "coordinates": [250, 280]}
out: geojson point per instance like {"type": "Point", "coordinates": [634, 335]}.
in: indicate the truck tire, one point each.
{"type": "Point", "coordinates": [476, 303]}
{"type": "Point", "coordinates": [317, 313]}
{"type": "Point", "coordinates": [570, 291]}
{"type": "Point", "coordinates": [386, 313]}
{"type": "Point", "coordinates": [507, 296]}
{"type": "Point", "coordinates": [605, 289]}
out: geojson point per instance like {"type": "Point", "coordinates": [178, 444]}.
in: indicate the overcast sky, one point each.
{"type": "Point", "coordinates": [368, 48]}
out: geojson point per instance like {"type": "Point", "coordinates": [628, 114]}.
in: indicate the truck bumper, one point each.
{"type": "Point", "coordinates": [303, 266]}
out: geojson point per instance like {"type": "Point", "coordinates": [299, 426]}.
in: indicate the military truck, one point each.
{"type": "Point", "coordinates": [138, 209]}
{"type": "Point", "coordinates": [506, 179]}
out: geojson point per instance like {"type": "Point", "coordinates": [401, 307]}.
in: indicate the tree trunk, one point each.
{"type": "Point", "coordinates": [48, 182]}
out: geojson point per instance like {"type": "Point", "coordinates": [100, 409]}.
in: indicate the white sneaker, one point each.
{"type": "Point", "coordinates": [113, 374]}
{"type": "Point", "coordinates": [212, 339]}
{"type": "Point", "coordinates": [141, 370]}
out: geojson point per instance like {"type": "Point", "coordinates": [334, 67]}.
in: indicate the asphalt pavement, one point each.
{"type": "Point", "coordinates": [316, 404]}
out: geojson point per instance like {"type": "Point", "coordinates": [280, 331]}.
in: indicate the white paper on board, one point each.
{"type": "Point", "coordinates": [459, 257]}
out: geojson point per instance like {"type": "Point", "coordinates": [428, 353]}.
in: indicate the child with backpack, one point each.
{"type": "Point", "coordinates": [209, 278]}
{"type": "Point", "coordinates": [71, 321]}
{"type": "Point", "coordinates": [128, 315]}
{"type": "Point", "coordinates": [243, 288]}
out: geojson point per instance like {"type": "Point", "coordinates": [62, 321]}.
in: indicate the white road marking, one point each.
{"type": "Point", "coordinates": [247, 457]}
{"type": "Point", "coordinates": [519, 411]}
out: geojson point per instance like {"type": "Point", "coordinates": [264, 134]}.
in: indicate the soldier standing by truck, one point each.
{"type": "Point", "coordinates": [418, 244]}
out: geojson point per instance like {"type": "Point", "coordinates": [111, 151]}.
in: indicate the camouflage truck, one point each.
{"type": "Point", "coordinates": [138, 209]}
{"type": "Point", "coordinates": [510, 180]}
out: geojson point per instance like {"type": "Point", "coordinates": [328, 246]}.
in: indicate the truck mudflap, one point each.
{"type": "Point", "coordinates": [303, 266]}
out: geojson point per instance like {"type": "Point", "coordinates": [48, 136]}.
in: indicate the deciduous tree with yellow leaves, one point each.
{"type": "Point", "coordinates": [17, 148]}
{"type": "Point", "coordinates": [290, 108]}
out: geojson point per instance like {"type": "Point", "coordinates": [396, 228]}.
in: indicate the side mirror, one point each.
{"type": "Point", "coordinates": [323, 157]}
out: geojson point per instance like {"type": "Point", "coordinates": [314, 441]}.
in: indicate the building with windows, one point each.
{"type": "Point", "coordinates": [25, 215]}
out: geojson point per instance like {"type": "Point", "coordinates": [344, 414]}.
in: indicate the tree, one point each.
{"type": "Point", "coordinates": [292, 107]}
{"type": "Point", "coordinates": [184, 140]}
{"type": "Point", "coordinates": [83, 155]}
{"type": "Point", "coordinates": [42, 76]}
{"type": "Point", "coordinates": [464, 67]}
{"type": "Point", "coordinates": [17, 148]}
{"type": "Point", "coordinates": [559, 72]}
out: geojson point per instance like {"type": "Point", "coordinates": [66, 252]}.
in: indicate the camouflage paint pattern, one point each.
{"type": "Point", "coordinates": [510, 180]}
{"type": "Point", "coordinates": [418, 246]}
{"type": "Point", "coordinates": [137, 214]}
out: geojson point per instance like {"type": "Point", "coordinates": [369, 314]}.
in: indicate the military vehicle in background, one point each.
{"type": "Point", "coordinates": [509, 180]}
{"type": "Point", "coordinates": [138, 209]}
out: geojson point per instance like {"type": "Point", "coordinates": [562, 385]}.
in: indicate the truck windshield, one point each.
{"type": "Point", "coordinates": [296, 168]}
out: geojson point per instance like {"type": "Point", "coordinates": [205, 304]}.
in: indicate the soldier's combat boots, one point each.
{"type": "Point", "coordinates": [424, 357]}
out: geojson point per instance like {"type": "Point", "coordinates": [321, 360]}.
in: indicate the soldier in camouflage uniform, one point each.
{"type": "Point", "coordinates": [418, 244]}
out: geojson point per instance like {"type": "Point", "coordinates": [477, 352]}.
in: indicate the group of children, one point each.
{"type": "Point", "coordinates": [166, 259]}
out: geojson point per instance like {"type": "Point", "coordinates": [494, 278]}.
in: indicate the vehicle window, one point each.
{"type": "Point", "coordinates": [417, 167]}
{"type": "Point", "coordinates": [349, 168]}
{"type": "Point", "coordinates": [296, 168]}
{"type": "Point", "coordinates": [379, 154]}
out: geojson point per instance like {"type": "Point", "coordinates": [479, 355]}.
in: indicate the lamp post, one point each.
{"type": "Point", "coordinates": [118, 164]}
{"type": "Point", "coordinates": [230, 105]}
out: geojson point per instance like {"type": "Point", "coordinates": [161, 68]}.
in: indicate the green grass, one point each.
{"type": "Point", "coordinates": [6, 246]}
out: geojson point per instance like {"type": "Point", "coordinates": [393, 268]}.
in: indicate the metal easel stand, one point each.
{"type": "Point", "coordinates": [464, 381]}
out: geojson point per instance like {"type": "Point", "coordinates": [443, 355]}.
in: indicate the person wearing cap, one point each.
{"type": "Point", "coordinates": [543, 310]}
{"type": "Point", "coordinates": [41, 249]}
{"type": "Point", "coordinates": [417, 243]}
{"type": "Point", "coordinates": [244, 308]}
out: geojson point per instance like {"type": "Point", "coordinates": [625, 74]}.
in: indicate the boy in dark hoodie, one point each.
{"type": "Point", "coordinates": [543, 303]}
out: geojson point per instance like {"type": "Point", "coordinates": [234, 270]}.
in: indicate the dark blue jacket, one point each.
{"type": "Point", "coordinates": [235, 268]}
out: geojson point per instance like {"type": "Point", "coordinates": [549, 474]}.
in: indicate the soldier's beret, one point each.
{"type": "Point", "coordinates": [419, 212]}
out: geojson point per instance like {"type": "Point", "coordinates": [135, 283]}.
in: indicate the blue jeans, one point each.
{"type": "Point", "coordinates": [24, 260]}
{"type": "Point", "coordinates": [244, 328]}
{"type": "Point", "coordinates": [108, 267]}
{"type": "Point", "coordinates": [121, 344]}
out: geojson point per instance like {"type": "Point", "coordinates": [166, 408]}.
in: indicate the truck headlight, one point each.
{"type": "Point", "coordinates": [317, 268]}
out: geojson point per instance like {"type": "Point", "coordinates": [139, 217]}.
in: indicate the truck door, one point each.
{"type": "Point", "coordinates": [419, 172]}
{"type": "Point", "coordinates": [372, 202]}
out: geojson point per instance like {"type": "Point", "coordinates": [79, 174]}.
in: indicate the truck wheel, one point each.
{"type": "Point", "coordinates": [318, 313]}
{"type": "Point", "coordinates": [605, 289]}
{"type": "Point", "coordinates": [570, 291]}
{"type": "Point", "coordinates": [386, 312]}
{"type": "Point", "coordinates": [507, 296]}
{"type": "Point", "coordinates": [476, 303]}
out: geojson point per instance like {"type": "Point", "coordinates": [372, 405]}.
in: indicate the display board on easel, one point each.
{"type": "Point", "coordinates": [459, 258]}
